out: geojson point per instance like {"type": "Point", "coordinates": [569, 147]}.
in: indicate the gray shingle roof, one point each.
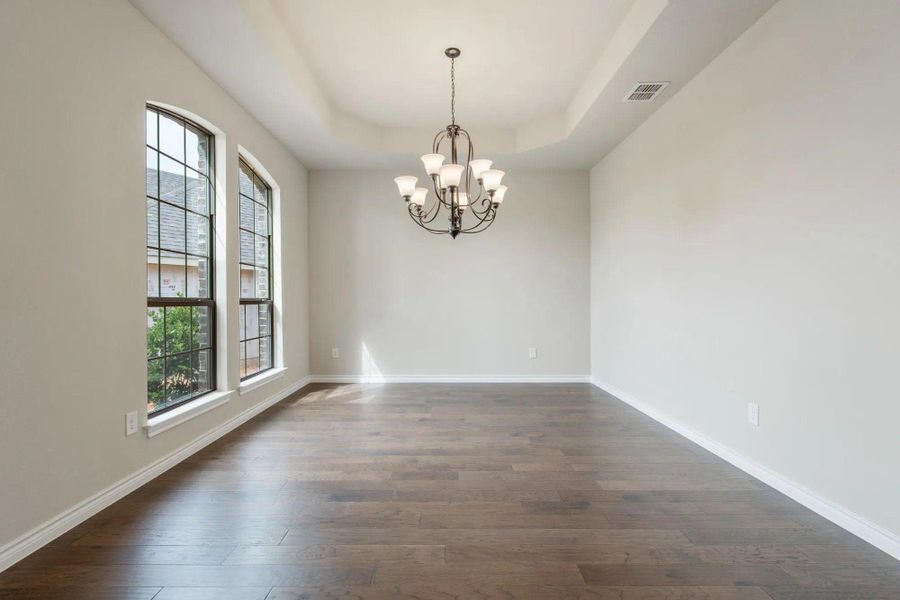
{"type": "Point", "coordinates": [173, 221]}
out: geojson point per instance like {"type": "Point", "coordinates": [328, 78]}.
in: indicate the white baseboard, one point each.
{"type": "Point", "coordinates": [43, 534]}
{"type": "Point", "coordinates": [451, 379]}
{"type": "Point", "coordinates": [840, 516]}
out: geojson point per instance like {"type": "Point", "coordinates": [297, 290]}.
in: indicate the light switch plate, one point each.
{"type": "Point", "coordinates": [532, 353]}
{"type": "Point", "coordinates": [131, 423]}
{"type": "Point", "coordinates": [335, 353]}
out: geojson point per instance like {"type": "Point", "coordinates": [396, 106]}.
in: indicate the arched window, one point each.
{"type": "Point", "coordinates": [180, 301]}
{"type": "Point", "coordinates": [256, 317]}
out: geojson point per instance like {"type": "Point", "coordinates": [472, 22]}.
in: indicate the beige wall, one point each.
{"type": "Point", "coordinates": [399, 301]}
{"type": "Point", "coordinates": [745, 247]}
{"type": "Point", "coordinates": [72, 219]}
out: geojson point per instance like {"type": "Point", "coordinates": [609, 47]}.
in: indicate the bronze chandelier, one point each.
{"type": "Point", "coordinates": [447, 179]}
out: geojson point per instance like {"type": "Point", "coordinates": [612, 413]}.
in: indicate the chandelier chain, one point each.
{"type": "Point", "coordinates": [453, 91]}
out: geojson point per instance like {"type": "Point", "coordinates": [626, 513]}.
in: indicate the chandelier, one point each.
{"type": "Point", "coordinates": [452, 181]}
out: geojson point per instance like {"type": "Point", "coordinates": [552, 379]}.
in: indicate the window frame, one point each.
{"type": "Point", "coordinates": [165, 302]}
{"type": "Point", "coordinates": [270, 301]}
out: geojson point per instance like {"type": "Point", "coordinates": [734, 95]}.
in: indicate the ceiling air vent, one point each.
{"type": "Point", "coordinates": [645, 91]}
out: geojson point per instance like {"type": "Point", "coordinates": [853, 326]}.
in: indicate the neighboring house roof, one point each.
{"type": "Point", "coordinates": [172, 222]}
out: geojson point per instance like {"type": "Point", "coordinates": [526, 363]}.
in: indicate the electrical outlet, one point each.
{"type": "Point", "coordinates": [131, 422]}
{"type": "Point", "coordinates": [532, 353]}
{"type": "Point", "coordinates": [335, 353]}
{"type": "Point", "coordinates": [753, 413]}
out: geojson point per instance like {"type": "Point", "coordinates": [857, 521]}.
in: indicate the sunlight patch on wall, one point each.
{"type": "Point", "coordinates": [368, 368]}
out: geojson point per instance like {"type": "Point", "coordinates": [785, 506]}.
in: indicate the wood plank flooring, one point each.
{"type": "Point", "coordinates": [433, 492]}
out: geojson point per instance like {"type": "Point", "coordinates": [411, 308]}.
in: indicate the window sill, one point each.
{"type": "Point", "coordinates": [177, 416]}
{"type": "Point", "coordinates": [248, 385]}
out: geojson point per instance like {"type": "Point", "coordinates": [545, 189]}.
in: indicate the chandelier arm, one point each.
{"type": "Point", "coordinates": [484, 201]}
{"type": "Point", "coordinates": [434, 186]}
{"type": "Point", "coordinates": [436, 149]}
{"type": "Point", "coordinates": [474, 230]}
{"type": "Point", "coordinates": [428, 217]}
{"type": "Point", "coordinates": [437, 192]}
{"type": "Point", "coordinates": [469, 159]}
{"type": "Point", "coordinates": [438, 138]}
{"type": "Point", "coordinates": [477, 199]}
{"type": "Point", "coordinates": [418, 221]}
{"type": "Point", "coordinates": [470, 152]}
{"type": "Point", "coordinates": [486, 210]}
{"type": "Point", "coordinates": [418, 215]}
{"type": "Point", "coordinates": [425, 216]}
{"type": "Point", "coordinates": [487, 217]}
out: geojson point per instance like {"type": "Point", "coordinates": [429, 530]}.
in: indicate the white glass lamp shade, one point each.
{"type": "Point", "coordinates": [491, 179]}
{"type": "Point", "coordinates": [418, 196]}
{"type": "Point", "coordinates": [450, 175]}
{"type": "Point", "coordinates": [499, 193]}
{"type": "Point", "coordinates": [433, 163]}
{"type": "Point", "coordinates": [406, 184]}
{"type": "Point", "coordinates": [463, 200]}
{"type": "Point", "coordinates": [479, 166]}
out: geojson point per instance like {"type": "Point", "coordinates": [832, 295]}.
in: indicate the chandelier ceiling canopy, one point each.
{"type": "Point", "coordinates": [452, 181]}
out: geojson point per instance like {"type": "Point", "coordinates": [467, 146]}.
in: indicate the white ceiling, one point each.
{"type": "Point", "coordinates": [363, 84]}
{"type": "Point", "coordinates": [384, 61]}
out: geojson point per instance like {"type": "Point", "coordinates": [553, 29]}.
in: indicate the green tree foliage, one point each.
{"type": "Point", "coordinates": [169, 333]}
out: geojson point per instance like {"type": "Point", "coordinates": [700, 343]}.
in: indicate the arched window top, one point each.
{"type": "Point", "coordinates": [180, 193]}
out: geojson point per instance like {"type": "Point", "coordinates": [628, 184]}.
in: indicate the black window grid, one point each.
{"type": "Point", "coordinates": [168, 302]}
{"type": "Point", "coordinates": [255, 301]}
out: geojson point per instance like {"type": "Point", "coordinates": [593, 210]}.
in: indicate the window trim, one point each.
{"type": "Point", "coordinates": [270, 301]}
{"type": "Point", "coordinates": [164, 302]}
{"type": "Point", "coordinates": [165, 420]}
{"type": "Point", "coordinates": [260, 379]}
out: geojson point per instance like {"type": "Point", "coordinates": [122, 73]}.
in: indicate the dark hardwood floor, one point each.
{"type": "Point", "coordinates": [436, 492]}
